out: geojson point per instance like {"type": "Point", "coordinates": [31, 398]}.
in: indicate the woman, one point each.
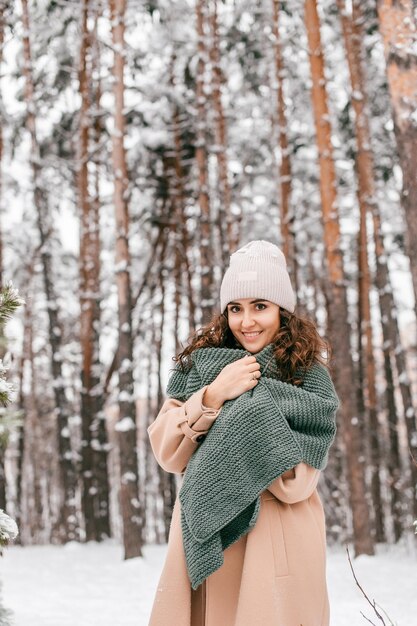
{"type": "Point", "coordinates": [249, 422]}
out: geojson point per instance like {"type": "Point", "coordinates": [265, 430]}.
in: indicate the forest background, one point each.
{"type": "Point", "coordinates": [141, 143]}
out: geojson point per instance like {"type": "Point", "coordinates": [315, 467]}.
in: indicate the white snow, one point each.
{"type": "Point", "coordinates": [125, 424]}
{"type": "Point", "coordinates": [121, 266]}
{"type": "Point", "coordinates": [5, 387]}
{"type": "Point", "coordinates": [125, 396]}
{"type": "Point", "coordinates": [403, 378]}
{"type": "Point", "coordinates": [89, 584]}
{"type": "Point", "coordinates": [8, 527]}
{"type": "Point", "coordinates": [128, 477]}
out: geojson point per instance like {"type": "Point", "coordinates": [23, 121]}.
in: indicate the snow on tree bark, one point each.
{"type": "Point", "coordinates": [131, 508]}
{"type": "Point", "coordinates": [34, 463]}
{"type": "Point", "coordinates": [392, 343]}
{"type": "Point", "coordinates": [162, 125]}
{"type": "Point", "coordinates": [228, 231]}
{"type": "Point", "coordinates": [166, 479]}
{"type": "Point", "coordinates": [366, 200]}
{"type": "Point", "coordinates": [95, 497]}
{"type": "Point", "coordinates": [287, 215]}
{"type": "Point", "coordinates": [206, 243]}
{"type": "Point", "coordinates": [100, 443]}
{"type": "Point", "coordinates": [338, 327]}
{"type": "Point", "coordinates": [67, 527]}
{"type": "Point", "coordinates": [143, 284]}
{"type": "Point", "coordinates": [398, 29]}
{"type": "Point", "coordinates": [179, 201]}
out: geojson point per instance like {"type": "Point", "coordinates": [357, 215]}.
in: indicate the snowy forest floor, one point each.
{"type": "Point", "coordinates": [90, 584]}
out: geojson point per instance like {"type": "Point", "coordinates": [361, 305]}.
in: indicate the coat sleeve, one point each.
{"type": "Point", "coordinates": [296, 487]}
{"type": "Point", "coordinates": [178, 430]}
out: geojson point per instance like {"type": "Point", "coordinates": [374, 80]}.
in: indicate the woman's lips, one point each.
{"type": "Point", "coordinates": [252, 336]}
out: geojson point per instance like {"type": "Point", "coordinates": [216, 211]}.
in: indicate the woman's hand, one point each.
{"type": "Point", "coordinates": [234, 379]}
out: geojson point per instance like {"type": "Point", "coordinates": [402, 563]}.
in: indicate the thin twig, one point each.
{"type": "Point", "coordinates": [363, 592]}
{"type": "Point", "coordinates": [367, 619]}
{"type": "Point", "coordinates": [386, 614]}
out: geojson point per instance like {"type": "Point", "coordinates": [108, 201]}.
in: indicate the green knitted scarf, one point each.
{"type": "Point", "coordinates": [255, 438]}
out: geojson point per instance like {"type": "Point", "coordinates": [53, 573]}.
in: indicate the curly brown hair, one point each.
{"type": "Point", "coordinates": [298, 344]}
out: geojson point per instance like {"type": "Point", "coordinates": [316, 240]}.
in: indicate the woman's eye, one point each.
{"type": "Point", "coordinates": [235, 308]}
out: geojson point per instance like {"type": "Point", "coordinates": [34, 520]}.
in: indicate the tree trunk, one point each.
{"type": "Point", "coordinates": [100, 442]}
{"type": "Point", "coordinates": [391, 337]}
{"type": "Point", "coordinates": [179, 254]}
{"type": "Point", "coordinates": [67, 527]}
{"type": "Point", "coordinates": [153, 470]}
{"type": "Point", "coordinates": [114, 363]}
{"type": "Point", "coordinates": [167, 480]}
{"type": "Point", "coordinates": [287, 215]}
{"type": "Point", "coordinates": [206, 243]}
{"type": "Point", "coordinates": [152, 485]}
{"type": "Point", "coordinates": [227, 232]}
{"type": "Point", "coordinates": [366, 199]}
{"type": "Point", "coordinates": [31, 443]}
{"type": "Point", "coordinates": [131, 509]}
{"type": "Point", "coordinates": [35, 473]}
{"type": "Point", "coordinates": [338, 327]}
{"type": "Point", "coordinates": [94, 497]}
{"type": "Point", "coordinates": [179, 204]}
{"type": "Point", "coordinates": [394, 355]}
{"type": "Point", "coordinates": [398, 29]}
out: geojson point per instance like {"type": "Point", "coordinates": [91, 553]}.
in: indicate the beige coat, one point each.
{"type": "Point", "coordinates": [272, 576]}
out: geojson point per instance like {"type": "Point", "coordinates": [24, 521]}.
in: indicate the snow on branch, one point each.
{"type": "Point", "coordinates": [9, 302]}
{"type": "Point", "coordinates": [8, 530]}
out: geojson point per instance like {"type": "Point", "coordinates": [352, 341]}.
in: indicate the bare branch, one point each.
{"type": "Point", "coordinates": [372, 603]}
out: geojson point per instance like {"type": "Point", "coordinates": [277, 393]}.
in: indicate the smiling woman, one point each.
{"type": "Point", "coordinates": [296, 341]}
{"type": "Point", "coordinates": [249, 421]}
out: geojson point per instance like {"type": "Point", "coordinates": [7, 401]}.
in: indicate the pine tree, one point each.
{"type": "Point", "coordinates": [286, 212]}
{"type": "Point", "coordinates": [206, 241]}
{"type": "Point", "coordinates": [398, 29]}
{"type": "Point", "coordinates": [67, 525]}
{"type": "Point", "coordinates": [338, 328]}
{"type": "Point", "coordinates": [95, 500]}
{"type": "Point", "coordinates": [10, 301]}
{"type": "Point", "coordinates": [366, 199]}
{"type": "Point", "coordinates": [228, 234]}
{"type": "Point", "coordinates": [132, 513]}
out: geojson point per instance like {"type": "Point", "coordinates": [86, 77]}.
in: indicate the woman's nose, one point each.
{"type": "Point", "coordinates": [247, 319]}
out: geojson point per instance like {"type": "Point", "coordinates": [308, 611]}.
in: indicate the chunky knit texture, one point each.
{"type": "Point", "coordinates": [255, 438]}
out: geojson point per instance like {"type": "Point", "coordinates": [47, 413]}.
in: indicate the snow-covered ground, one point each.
{"type": "Point", "coordinates": [90, 584]}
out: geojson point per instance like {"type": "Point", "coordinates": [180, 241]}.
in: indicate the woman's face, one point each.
{"type": "Point", "coordinates": [253, 322]}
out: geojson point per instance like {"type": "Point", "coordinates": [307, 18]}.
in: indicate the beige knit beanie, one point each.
{"type": "Point", "coordinates": [258, 270]}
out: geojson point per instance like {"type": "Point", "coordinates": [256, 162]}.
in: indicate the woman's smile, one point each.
{"type": "Point", "coordinates": [252, 335]}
